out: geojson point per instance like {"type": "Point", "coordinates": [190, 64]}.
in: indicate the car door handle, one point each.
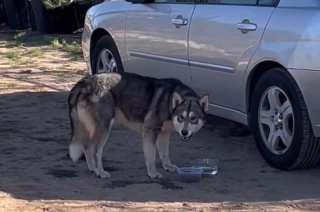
{"type": "Point", "coordinates": [246, 26]}
{"type": "Point", "coordinates": [179, 21]}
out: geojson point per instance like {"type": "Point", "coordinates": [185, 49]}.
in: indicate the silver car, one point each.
{"type": "Point", "coordinates": [259, 60]}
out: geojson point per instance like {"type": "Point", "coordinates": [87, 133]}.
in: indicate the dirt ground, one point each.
{"type": "Point", "coordinates": [36, 175]}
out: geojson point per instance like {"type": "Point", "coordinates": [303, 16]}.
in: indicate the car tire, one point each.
{"type": "Point", "coordinates": [105, 45]}
{"type": "Point", "coordinates": [304, 150]}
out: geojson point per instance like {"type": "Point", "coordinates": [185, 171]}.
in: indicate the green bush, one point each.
{"type": "Point", "coordinates": [52, 4]}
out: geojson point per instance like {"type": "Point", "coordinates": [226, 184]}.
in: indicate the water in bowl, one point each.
{"type": "Point", "coordinates": [209, 170]}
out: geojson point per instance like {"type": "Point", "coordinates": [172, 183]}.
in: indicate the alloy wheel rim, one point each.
{"type": "Point", "coordinates": [106, 62]}
{"type": "Point", "coordinates": [276, 120]}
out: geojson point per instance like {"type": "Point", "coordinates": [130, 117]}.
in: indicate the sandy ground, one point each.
{"type": "Point", "coordinates": [36, 175]}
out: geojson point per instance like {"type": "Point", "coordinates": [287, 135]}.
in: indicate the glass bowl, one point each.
{"type": "Point", "coordinates": [190, 174]}
{"type": "Point", "coordinates": [209, 166]}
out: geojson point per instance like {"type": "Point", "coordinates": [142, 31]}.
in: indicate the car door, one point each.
{"type": "Point", "coordinates": [224, 35]}
{"type": "Point", "coordinates": [156, 38]}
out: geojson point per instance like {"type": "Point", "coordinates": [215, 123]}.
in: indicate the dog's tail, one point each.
{"type": "Point", "coordinates": [78, 134]}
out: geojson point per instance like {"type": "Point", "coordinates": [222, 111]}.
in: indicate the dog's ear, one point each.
{"type": "Point", "coordinates": [204, 102]}
{"type": "Point", "coordinates": [177, 100]}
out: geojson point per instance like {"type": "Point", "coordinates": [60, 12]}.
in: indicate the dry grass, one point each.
{"type": "Point", "coordinates": [27, 49]}
{"type": "Point", "coordinates": [36, 52]}
{"type": "Point", "coordinates": [8, 85]}
{"type": "Point", "coordinates": [13, 55]}
{"type": "Point", "coordinates": [73, 47]}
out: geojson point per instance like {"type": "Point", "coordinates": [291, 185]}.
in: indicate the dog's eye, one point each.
{"type": "Point", "coordinates": [193, 118]}
{"type": "Point", "coordinates": [181, 117]}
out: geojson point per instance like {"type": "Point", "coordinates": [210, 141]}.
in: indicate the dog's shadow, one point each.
{"type": "Point", "coordinates": [35, 135]}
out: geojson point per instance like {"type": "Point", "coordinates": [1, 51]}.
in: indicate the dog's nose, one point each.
{"type": "Point", "coordinates": [184, 132]}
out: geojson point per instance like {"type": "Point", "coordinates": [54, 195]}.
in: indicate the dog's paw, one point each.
{"type": "Point", "coordinates": [91, 170]}
{"type": "Point", "coordinates": [169, 167]}
{"type": "Point", "coordinates": [154, 175]}
{"type": "Point", "coordinates": [104, 174]}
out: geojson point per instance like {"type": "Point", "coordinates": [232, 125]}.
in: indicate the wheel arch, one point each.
{"type": "Point", "coordinates": [95, 37]}
{"type": "Point", "coordinates": [254, 76]}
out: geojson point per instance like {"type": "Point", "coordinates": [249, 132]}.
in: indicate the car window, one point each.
{"type": "Point", "coordinates": [233, 2]}
{"type": "Point", "coordinates": [267, 2]}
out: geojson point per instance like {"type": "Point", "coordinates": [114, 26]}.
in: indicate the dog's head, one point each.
{"type": "Point", "coordinates": [189, 115]}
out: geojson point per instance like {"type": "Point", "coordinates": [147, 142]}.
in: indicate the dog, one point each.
{"type": "Point", "coordinates": [151, 106]}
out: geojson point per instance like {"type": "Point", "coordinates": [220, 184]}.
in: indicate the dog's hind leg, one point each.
{"type": "Point", "coordinates": [78, 137]}
{"type": "Point", "coordinates": [101, 139]}
{"type": "Point", "coordinates": [102, 113]}
{"type": "Point", "coordinates": [163, 148]}
{"type": "Point", "coordinates": [86, 129]}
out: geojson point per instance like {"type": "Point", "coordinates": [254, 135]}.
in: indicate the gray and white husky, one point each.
{"type": "Point", "coordinates": [154, 107]}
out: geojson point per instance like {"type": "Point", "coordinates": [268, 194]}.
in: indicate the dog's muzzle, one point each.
{"type": "Point", "coordinates": [185, 138]}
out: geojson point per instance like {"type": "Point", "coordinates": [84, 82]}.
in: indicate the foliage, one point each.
{"type": "Point", "coordinates": [37, 52]}
{"type": "Point", "coordinates": [20, 37]}
{"type": "Point", "coordinates": [72, 47]}
{"type": "Point", "coordinates": [52, 4]}
{"type": "Point", "coordinates": [13, 55]}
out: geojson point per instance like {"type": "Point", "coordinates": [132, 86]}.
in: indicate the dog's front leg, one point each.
{"type": "Point", "coordinates": [163, 148]}
{"type": "Point", "coordinates": [149, 149]}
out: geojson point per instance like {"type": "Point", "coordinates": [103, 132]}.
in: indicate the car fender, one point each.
{"type": "Point", "coordinates": [110, 16]}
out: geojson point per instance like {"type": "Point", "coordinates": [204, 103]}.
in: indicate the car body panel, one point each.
{"type": "Point", "coordinates": [155, 46]}
{"type": "Point", "coordinates": [222, 50]}
{"type": "Point", "coordinates": [294, 44]}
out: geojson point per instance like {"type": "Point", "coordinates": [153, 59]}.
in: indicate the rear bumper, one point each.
{"type": "Point", "coordinates": [309, 84]}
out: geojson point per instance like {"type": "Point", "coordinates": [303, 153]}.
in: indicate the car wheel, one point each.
{"type": "Point", "coordinates": [106, 57]}
{"type": "Point", "coordinates": [280, 122]}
